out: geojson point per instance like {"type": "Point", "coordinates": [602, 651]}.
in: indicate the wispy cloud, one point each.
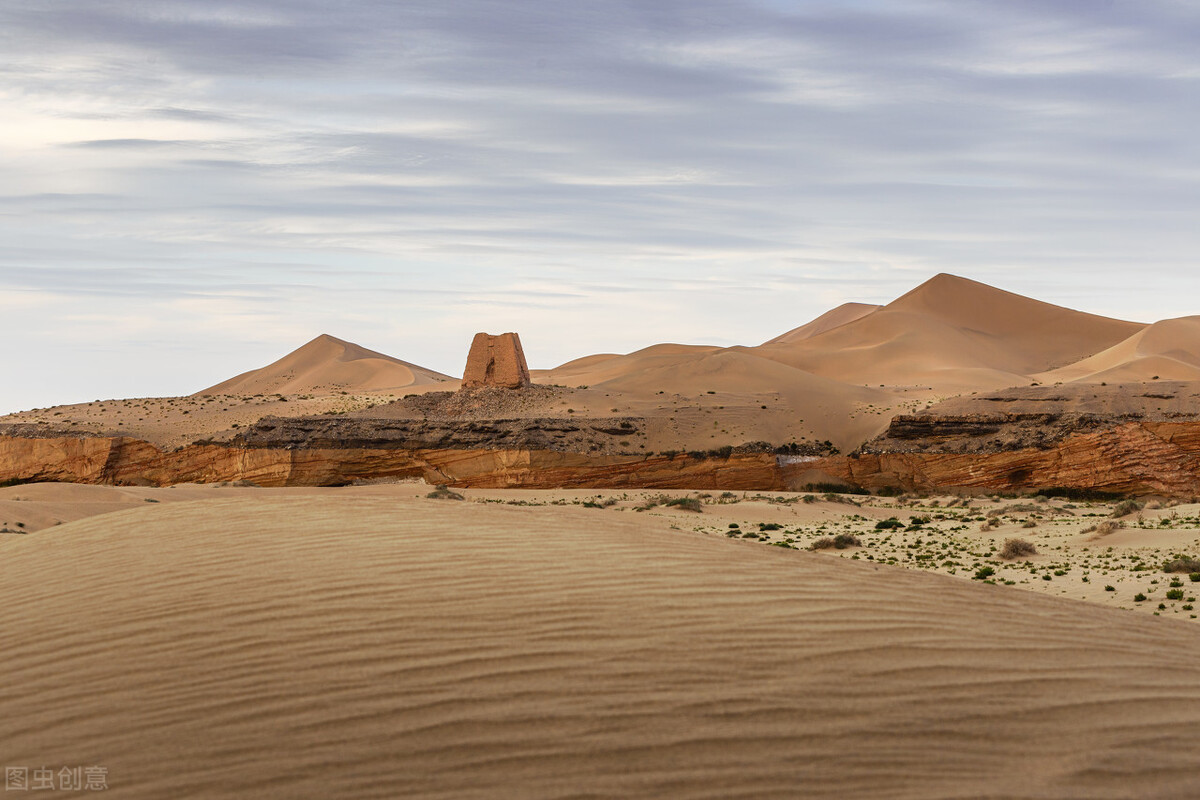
{"type": "Point", "coordinates": [601, 175]}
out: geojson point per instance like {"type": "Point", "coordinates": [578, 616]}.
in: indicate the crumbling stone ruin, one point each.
{"type": "Point", "coordinates": [496, 361]}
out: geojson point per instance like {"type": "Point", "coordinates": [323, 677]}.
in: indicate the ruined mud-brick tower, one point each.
{"type": "Point", "coordinates": [496, 361]}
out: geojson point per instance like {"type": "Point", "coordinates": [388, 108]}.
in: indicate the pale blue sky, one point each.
{"type": "Point", "coordinates": [190, 189]}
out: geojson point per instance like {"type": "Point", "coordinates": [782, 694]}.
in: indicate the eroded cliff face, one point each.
{"type": "Point", "coordinates": [1134, 457]}
{"type": "Point", "coordinates": [124, 461]}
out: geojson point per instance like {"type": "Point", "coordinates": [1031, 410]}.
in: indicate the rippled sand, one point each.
{"type": "Point", "coordinates": [367, 646]}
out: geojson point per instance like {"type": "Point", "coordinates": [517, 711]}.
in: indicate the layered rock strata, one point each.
{"type": "Point", "coordinates": [1145, 456]}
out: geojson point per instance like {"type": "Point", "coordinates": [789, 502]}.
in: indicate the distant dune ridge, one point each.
{"type": "Point", "coordinates": [834, 382]}
{"type": "Point", "coordinates": [949, 334]}
{"type": "Point", "coordinates": [328, 364]}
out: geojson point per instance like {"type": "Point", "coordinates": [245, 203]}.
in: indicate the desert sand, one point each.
{"type": "Point", "coordinates": [372, 642]}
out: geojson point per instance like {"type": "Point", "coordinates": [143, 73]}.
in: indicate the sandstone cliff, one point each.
{"type": "Point", "coordinates": [124, 461]}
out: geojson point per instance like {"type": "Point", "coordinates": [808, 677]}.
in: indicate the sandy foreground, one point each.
{"type": "Point", "coordinates": [371, 642]}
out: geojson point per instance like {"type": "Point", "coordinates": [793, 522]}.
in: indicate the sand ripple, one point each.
{"type": "Point", "coordinates": [365, 647]}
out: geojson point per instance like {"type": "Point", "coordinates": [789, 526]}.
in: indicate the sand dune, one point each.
{"type": "Point", "coordinates": [1169, 350]}
{"type": "Point", "coordinates": [948, 336]}
{"type": "Point", "coordinates": [597, 369]}
{"type": "Point", "coordinates": [316, 647]}
{"type": "Point", "coordinates": [834, 318]}
{"type": "Point", "coordinates": [955, 334]}
{"type": "Point", "coordinates": [326, 365]}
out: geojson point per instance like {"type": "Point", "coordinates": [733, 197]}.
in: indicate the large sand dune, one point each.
{"type": "Point", "coordinates": [327, 365]}
{"type": "Point", "coordinates": [948, 336]}
{"type": "Point", "coordinates": [357, 647]}
{"type": "Point", "coordinates": [1169, 349]}
{"type": "Point", "coordinates": [955, 335]}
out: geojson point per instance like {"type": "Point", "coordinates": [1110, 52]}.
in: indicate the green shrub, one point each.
{"type": "Point", "coordinates": [984, 572]}
{"type": "Point", "coordinates": [1182, 564]}
{"type": "Point", "coordinates": [889, 523]}
{"type": "Point", "coordinates": [1175, 594]}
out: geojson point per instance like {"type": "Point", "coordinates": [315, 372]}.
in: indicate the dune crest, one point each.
{"type": "Point", "coordinates": [328, 364]}
{"type": "Point", "coordinates": [834, 318]}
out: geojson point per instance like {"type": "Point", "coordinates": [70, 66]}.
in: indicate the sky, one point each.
{"type": "Point", "coordinates": [191, 189]}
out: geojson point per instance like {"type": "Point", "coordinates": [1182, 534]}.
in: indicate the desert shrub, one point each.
{"type": "Point", "coordinates": [984, 572]}
{"type": "Point", "coordinates": [888, 524]}
{"type": "Point", "coordinates": [1126, 507]}
{"type": "Point", "coordinates": [1182, 564]}
{"type": "Point", "coordinates": [1106, 527]}
{"type": "Point", "coordinates": [1175, 594]}
{"type": "Point", "coordinates": [1194, 577]}
{"type": "Point", "coordinates": [1017, 548]}
{"type": "Point", "coordinates": [1139, 598]}
{"type": "Point", "coordinates": [844, 540]}
{"type": "Point", "coordinates": [685, 503]}
{"type": "Point", "coordinates": [1094, 495]}
{"type": "Point", "coordinates": [1029, 524]}
{"type": "Point", "coordinates": [839, 542]}
{"type": "Point", "coordinates": [835, 488]}
{"type": "Point", "coordinates": [769, 526]}
{"type": "Point", "coordinates": [444, 492]}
